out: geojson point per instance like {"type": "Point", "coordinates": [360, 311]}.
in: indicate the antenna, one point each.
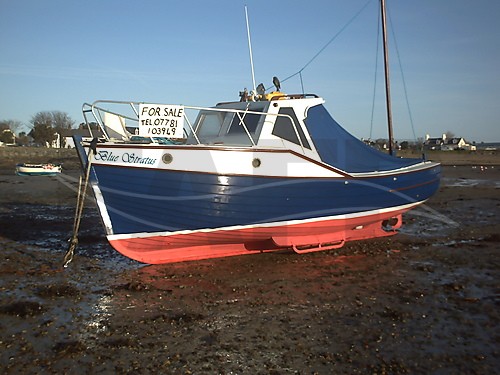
{"type": "Point", "coordinates": [250, 48]}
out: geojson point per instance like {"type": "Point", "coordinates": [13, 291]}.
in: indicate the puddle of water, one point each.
{"type": "Point", "coordinates": [50, 228]}
{"type": "Point", "coordinates": [427, 222]}
{"type": "Point", "coordinates": [469, 182]}
{"type": "Point", "coordinates": [455, 242]}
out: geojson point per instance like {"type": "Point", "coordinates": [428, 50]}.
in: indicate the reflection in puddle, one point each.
{"type": "Point", "coordinates": [425, 221]}
{"type": "Point", "coordinates": [468, 182]}
{"type": "Point", "coordinates": [454, 243]}
{"type": "Point", "coordinates": [97, 321]}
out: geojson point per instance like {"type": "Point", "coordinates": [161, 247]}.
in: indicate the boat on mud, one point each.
{"type": "Point", "coordinates": [44, 169]}
{"type": "Point", "coordinates": [267, 172]}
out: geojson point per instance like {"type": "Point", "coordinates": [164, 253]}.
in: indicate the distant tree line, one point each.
{"type": "Point", "coordinates": [44, 129]}
{"type": "Point", "coordinates": [7, 130]}
{"type": "Point", "coordinates": [382, 144]}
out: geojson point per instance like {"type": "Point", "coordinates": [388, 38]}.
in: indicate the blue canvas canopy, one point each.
{"type": "Point", "coordinates": [342, 150]}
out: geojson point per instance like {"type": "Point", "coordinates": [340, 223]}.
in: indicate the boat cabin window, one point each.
{"type": "Point", "coordinates": [284, 128]}
{"type": "Point", "coordinates": [251, 120]}
{"type": "Point", "coordinates": [209, 124]}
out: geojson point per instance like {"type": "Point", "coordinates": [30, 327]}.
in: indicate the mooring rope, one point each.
{"type": "Point", "coordinates": [82, 193]}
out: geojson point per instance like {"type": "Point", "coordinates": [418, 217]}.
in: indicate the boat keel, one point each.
{"type": "Point", "coordinates": [329, 235]}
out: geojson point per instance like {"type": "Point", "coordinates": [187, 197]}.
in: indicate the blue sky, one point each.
{"type": "Point", "coordinates": [58, 54]}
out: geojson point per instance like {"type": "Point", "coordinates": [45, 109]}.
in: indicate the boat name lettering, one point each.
{"type": "Point", "coordinates": [106, 156]}
{"type": "Point", "coordinates": [126, 157]}
{"type": "Point", "coordinates": [131, 158]}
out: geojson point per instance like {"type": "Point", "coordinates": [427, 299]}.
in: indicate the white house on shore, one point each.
{"type": "Point", "coordinates": [447, 144]}
{"type": "Point", "coordinates": [65, 139]}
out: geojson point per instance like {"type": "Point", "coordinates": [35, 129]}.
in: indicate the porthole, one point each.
{"type": "Point", "coordinates": [256, 163]}
{"type": "Point", "coordinates": [167, 158]}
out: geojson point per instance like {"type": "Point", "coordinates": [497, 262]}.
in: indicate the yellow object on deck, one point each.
{"type": "Point", "coordinates": [275, 94]}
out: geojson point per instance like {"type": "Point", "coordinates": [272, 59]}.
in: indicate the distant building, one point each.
{"type": "Point", "coordinates": [447, 144]}
{"type": "Point", "coordinates": [68, 134]}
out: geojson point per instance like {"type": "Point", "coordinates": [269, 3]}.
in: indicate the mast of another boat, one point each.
{"type": "Point", "coordinates": [387, 81]}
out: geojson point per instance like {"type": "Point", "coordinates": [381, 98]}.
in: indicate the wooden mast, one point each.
{"type": "Point", "coordinates": [387, 81]}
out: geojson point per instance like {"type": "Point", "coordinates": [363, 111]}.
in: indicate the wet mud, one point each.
{"type": "Point", "coordinates": [424, 301]}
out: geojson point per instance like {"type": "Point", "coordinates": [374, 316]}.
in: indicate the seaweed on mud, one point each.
{"type": "Point", "coordinates": [68, 347]}
{"type": "Point", "coordinates": [22, 308]}
{"type": "Point", "coordinates": [494, 237]}
{"type": "Point", "coordinates": [133, 286]}
{"type": "Point", "coordinates": [177, 318]}
{"type": "Point", "coordinates": [57, 290]}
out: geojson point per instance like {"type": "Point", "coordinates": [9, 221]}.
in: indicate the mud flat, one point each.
{"type": "Point", "coordinates": [424, 301]}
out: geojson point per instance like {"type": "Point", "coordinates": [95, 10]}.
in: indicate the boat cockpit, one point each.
{"type": "Point", "coordinates": [274, 120]}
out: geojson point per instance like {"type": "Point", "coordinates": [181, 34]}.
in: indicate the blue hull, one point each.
{"type": "Point", "coordinates": [151, 200]}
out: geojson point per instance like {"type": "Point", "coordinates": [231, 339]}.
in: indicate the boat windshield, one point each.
{"type": "Point", "coordinates": [235, 124]}
{"type": "Point", "coordinates": [209, 124]}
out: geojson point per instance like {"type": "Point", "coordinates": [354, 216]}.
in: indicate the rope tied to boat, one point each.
{"type": "Point", "coordinates": [82, 193]}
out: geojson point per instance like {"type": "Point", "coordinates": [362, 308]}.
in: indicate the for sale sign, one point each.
{"type": "Point", "coordinates": [161, 120]}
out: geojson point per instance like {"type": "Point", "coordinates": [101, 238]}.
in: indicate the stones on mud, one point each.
{"type": "Point", "coordinates": [210, 339]}
{"type": "Point", "coordinates": [389, 367]}
{"type": "Point", "coordinates": [395, 314]}
{"type": "Point", "coordinates": [454, 286]}
{"type": "Point", "coordinates": [176, 318]}
{"type": "Point", "coordinates": [425, 267]}
{"type": "Point", "coordinates": [117, 342]}
{"type": "Point", "coordinates": [134, 286]}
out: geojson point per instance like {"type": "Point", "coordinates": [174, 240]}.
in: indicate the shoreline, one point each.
{"type": "Point", "coordinates": [10, 156]}
{"type": "Point", "coordinates": [457, 158]}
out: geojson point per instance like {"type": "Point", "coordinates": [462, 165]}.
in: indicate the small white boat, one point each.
{"type": "Point", "coordinates": [45, 169]}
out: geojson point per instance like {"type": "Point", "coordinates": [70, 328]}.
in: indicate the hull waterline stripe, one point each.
{"type": "Point", "coordinates": [265, 225]}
